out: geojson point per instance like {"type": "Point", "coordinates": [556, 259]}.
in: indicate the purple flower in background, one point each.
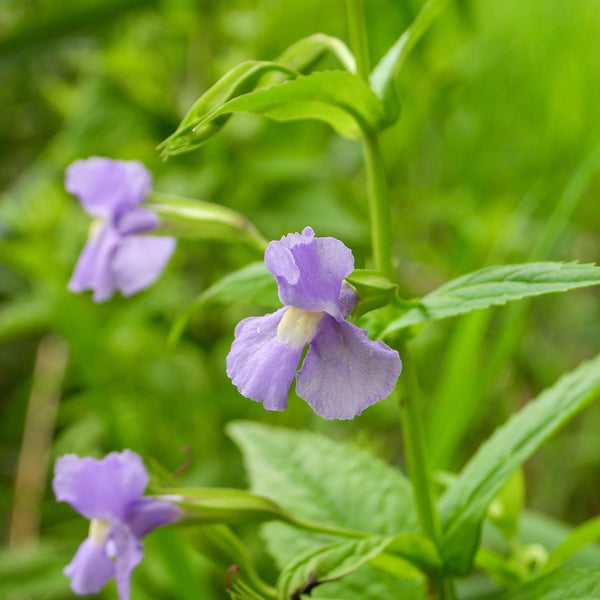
{"type": "Point", "coordinates": [108, 492]}
{"type": "Point", "coordinates": [115, 257]}
{"type": "Point", "coordinates": [343, 371]}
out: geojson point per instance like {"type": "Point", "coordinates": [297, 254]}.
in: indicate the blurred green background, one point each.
{"type": "Point", "coordinates": [495, 159]}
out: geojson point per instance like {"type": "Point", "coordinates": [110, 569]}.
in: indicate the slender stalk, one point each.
{"type": "Point", "coordinates": [379, 208]}
{"type": "Point", "coordinates": [418, 464]}
{"type": "Point", "coordinates": [416, 456]}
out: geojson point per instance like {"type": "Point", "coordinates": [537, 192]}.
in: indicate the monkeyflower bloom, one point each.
{"type": "Point", "coordinates": [115, 257]}
{"type": "Point", "coordinates": [343, 371]}
{"type": "Point", "coordinates": [108, 492]}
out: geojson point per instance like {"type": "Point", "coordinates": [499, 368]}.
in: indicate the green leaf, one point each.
{"type": "Point", "coordinates": [240, 80]}
{"type": "Point", "coordinates": [582, 536]}
{"type": "Point", "coordinates": [331, 483]}
{"type": "Point", "coordinates": [563, 584]}
{"type": "Point", "coordinates": [464, 504]}
{"type": "Point", "coordinates": [494, 286]}
{"type": "Point", "coordinates": [388, 67]}
{"type": "Point", "coordinates": [184, 217]}
{"type": "Point", "coordinates": [305, 53]}
{"type": "Point", "coordinates": [328, 563]}
{"type": "Point", "coordinates": [338, 98]}
{"type": "Point", "coordinates": [252, 285]}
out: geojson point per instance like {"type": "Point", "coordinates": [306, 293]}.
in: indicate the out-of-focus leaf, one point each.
{"type": "Point", "coordinates": [464, 504]}
{"type": "Point", "coordinates": [240, 80]}
{"type": "Point", "coordinates": [563, 584]}
{"type": "Point", "coordinates": [305, 53]}
{"type": "Point", "coordinates": [35, 571]}
{"type": "Point", "coordinates": [24, 316]}
{"type": "Point", "coordinates": [73, 17]}
{"type": "Point", "coordinates": [494, 286]}
{"type": "Point", "coordinates": [251, 284]}
{"type": "Point", "coordinates": [338, 98]}
{"type": "Point", "coordinates": [382, 75]}
{"type": "Point", "coordinates": [582, 536]}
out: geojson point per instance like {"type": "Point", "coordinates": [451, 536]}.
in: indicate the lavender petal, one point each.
{"type": "Point", "coordinates": [90, 568]}
{"type": "Point", "coordinates": [139, 261]}
{"type": "Point", "coordinates": [147, 514]}
{"type": "Point", "coordinates": [136, 220]}
{"type": "Point", "coordinates": [309, 271]}
{"type": "Point", "coordinates": [105, 186]}
{"type": "Point", "coordinates": [93, 270]}
{"type": "Point", "coordinates": [344, 371]}
{"type": "Point", "coordinates": [100, 489]}
{"type": "Point", "coordinates": [259, 365]}
{"type": "Point", "coordinates": [128, 552]}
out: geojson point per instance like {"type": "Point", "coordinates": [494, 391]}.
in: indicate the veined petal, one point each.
{"type": "Point", "coordinates": [309, 271]}
{"type": "Point", "coordinates": [128, 550]}
{"type": "Point", "coordinates": [93, 269]}
{"type": "Point", "coordinates": [139, 261]}
{"type": "Point", "coordinates": [147, 514]}
{"type": "Point", "coordinates": [90, 568]}
{"type": "Point", "coordinates": [105, 186]}
{"type": "Point", "coordinates": [259, 364]}
{"type": "Point", "coordinates": [344, 371]}
{"type": "Point", "coordinates": [100, 489]}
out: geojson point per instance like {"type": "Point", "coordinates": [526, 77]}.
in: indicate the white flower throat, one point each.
{"type": "Point", "coordinates": [298, 327]}
{"type": "Point", "coordinates": [98, 531]}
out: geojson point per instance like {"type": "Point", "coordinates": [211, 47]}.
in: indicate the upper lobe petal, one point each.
{"type": "Point", "coordinates": [100, 489]}
{"type": "Point", "coordinates": [147, 514]}
{"type": "Point", "coordinates": [309, 271]}
{"type": "Point", "coordinates": [90, 568]}
{"type": "Point", "coordinates": [259, 365]}
{"type": "Point", "coordinates": [344, 371]}
{"type": "Point", "coordinates": [105, 186]}
{"type": "Point", "coordinates": [139, 261]}
{"type": "Point", "coordinates": [136, 220]}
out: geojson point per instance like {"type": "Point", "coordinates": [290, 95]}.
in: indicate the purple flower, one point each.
{"type": "Point", "coordinates": [115, 257]}
{"type": "Point", "coordinates": [108, 492]}
{"type": "Point", "coordinates": [343, 371]}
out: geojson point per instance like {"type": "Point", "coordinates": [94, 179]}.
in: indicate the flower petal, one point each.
{"type": "Point", "coordinates": [128, 554]}
{"type": "Point", "coordinates": [140, 260]}
{"type": "Point", "coordinates": [100, 489]}
{"type": "Point", "coordinates": [147, 514]}
{"type": "Point", "coordinates": [105, 186]}
{"type": "Point", "coordinates": [136, 220]}
{"type": "Point", "coordinates": [309, 271]}
{"type": "Point", "coordinates": [259, 364]}
{"type": "Point", "coordinates": [90, 568]}
{"type": "Point", "coordinates": [344, 371]}
{"type": "Point", "coordinates": [93, 269]}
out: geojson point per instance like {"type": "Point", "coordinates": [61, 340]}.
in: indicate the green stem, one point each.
{"type": "Point", "coordinates": [418, 464]}
{"type": "Point", "coordinates": [416, 456]}
{"type": "Point", "coordinates": [379, 208]}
